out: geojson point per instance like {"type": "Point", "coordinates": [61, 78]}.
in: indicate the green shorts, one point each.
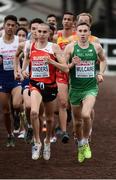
{"type": "Point", "coordinates": [76, 97]}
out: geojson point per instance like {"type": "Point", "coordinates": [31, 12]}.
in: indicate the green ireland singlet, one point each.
{"type": "Point", "coordinates": [83, 75]}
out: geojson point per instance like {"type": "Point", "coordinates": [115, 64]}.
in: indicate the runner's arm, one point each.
{"type": "Point", "coordinates": [67, 54]}
{"type": "Point", "coordinates": [102, 60]}
{"type": "Point", "coordinates": [25, 63]}
{"type": "Point", "coordinates": [16, 62]}
{"type": "Point", "coordinates": [61, 64]}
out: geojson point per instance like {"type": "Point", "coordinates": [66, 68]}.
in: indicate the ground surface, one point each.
{"type": "Point", "coordinates": [16, 162]}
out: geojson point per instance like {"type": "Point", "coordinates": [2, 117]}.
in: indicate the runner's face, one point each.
{"type": "Point", "coordinates": [84, 19]}
{"type": "Point", "coordinates": [34, 28]}
{"type": "Point", "coordinates": [24, 24]}
{"type": "Point", "coordinates": [52, 20]}
{"type": "Point", "coordinates": [10, 27]}
{"type": "Point", "coordinates": [67, 21]}
{"type": "Point", "coordinates": [83, 32]}
{"type": "Point", "coordinates": [43, 33]}
{"type": "Point", "coordinates": [22, 35]}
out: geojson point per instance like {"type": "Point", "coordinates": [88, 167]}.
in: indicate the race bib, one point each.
{"type": "Point", "coordinates": [8, 64]}
{"type": "Point", "coordinates": [40, 69]}
{"type": "Point", "coordinates": [85, 69]}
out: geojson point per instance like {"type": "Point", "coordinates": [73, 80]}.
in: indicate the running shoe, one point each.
{"type": "Point", "coordinates": [65, 137]}
{"type": "Point", "coordinates": [36, 151]}
{"type": "Point", "coordinates": [80, 154]}
{"type": "Point", "coordinates": [16, 131]}
{"type": "Point", "coordinates": [87, 151]}
{"type": "Point", "coordinates": [10, 141]}
{"type": "Point", "coordinates": [53, 139]}
{"type": "Point", "coordinates": [21, 134]}
{"type": "Point", "coordinates": [46, 151]}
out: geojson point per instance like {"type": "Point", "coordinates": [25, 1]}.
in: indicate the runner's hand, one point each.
{"type": "Point", "coordinates": [76, 60]}
{"type": "Point", "coordinates": [17, 75]}
{"type": "Point", "coordinates": [25, 74]}
{"type": "Point", "coordinates": [100, 78]}
{"type": "Point", "coordinates": [48, 59]}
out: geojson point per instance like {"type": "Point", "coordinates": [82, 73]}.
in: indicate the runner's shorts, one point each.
{"type": "Point", "coordinates": [62, 77]}
{"type": "Point", "coordinates": [47, 91]}
{"type": "Point", "coordinates": [7, 86]}
{"type": "Point", "coordinates": [76, 97]}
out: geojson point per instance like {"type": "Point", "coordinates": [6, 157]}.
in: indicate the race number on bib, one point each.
{"type": "Point", "coordinates": [40, 70]}
{"type": "Point", "coordinates": [8, 65]}
{"type": "Point", "coordinates": [85, 69]}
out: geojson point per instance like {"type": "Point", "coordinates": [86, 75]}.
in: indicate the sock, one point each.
{"type": "Point", "coordinates": [80, 143]}
{"type": "Point", "coordinates": [85, 141]}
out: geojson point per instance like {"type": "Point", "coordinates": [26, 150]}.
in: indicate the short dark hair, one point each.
{"type": "Point", "coordinates": [10, 17]}
{"type": "Point", "coordinates": [23, 19]}
{"type": "Point", "coordinates": [23, 29]}
{"type": "Point", "coordinates": [69, 13]}
{"type": "Point", "coordinates": [51, 15]}
{"type": "Point", "coordinates": [36, 20]}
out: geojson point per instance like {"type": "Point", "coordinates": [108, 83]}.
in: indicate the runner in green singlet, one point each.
{"type": "Point", "coordinates": [82, 57]}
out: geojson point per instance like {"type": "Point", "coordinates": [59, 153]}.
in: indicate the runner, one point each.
{"type": "Point", "coordinates": [52, 20]}
{"type": "Point", "coordinates": [87, 18]}
{"type": "Point", "coordinates": [23, 46]}
{"type": "Point", "coordinates": [23, 22]}
{"type": "Point", "coordinates": [22, 33]}
{"type": "Point", "coordinates": [8, 86]}
{"type": "Point", "coordinates": [43, 85]}
{"type": "Point", "coordinates": [62, 39]}
{"type": "Point", "coordinates": [82, 56]}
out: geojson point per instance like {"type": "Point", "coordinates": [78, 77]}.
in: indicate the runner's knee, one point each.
{"type": "Point", "coordinates": [63, 103]}
{"type": "Point", "coordinates": [34, 115]}
{"type": "Point", "coordinates": [86, 115]}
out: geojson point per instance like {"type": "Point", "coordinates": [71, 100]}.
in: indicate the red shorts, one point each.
{"type": "Point", "coordinates": [62, 77]}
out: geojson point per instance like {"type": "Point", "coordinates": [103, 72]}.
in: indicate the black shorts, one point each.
{"type": "Point", "coordinates": [48, 91]}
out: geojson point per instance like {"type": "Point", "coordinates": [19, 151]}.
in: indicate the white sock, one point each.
{"type": "Point", "coordinates": [80, 143]}
{"type": "Point", "coordinates": [85, 141]}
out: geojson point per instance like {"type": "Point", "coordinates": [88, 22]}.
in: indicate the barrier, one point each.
{"type": "Point", "coordinates": [109, 46]}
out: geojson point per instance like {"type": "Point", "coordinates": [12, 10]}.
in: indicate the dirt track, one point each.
{"type": "Point", "coordinates": [16, 162]}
